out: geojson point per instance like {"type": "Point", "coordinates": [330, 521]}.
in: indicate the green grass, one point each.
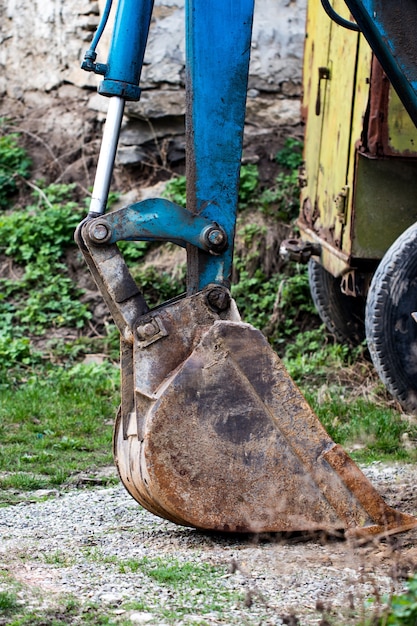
{"type": "Point", "coordinates": [70, 611]}
{"type": "Point", "coordinates": [58, 558]}
{"type": "Point", "coordinates": [8, 602]}
{"type": "Point", "coordinates": [22, 605]}
{"type": "Point", "coordinates": [368, 431]}
{"type": "Point", "coordinates": [172, 572]}
{"type": "Point", "coordinates": [59, 422]}
{"type": "Point", "coordinates": [210, 597]}
{"type": "Point", "coordinates": [194, 587]}
{"type": "Point", "coordinates": [56, 425]}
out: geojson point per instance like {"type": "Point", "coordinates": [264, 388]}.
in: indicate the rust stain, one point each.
{"type": "Point", "coordinates": [384, 517]}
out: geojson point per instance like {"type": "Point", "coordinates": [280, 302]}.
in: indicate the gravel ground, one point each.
{"type": "Point", "coordinates": [74, 542]}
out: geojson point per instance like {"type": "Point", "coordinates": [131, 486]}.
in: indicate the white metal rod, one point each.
{"type": "Point", "coordinates": [107, 155]}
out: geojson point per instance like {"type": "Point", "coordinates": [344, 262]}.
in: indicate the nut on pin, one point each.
{"type": "Point", "coordinates": [147, 330]}
{"type": "Point", "coordinates": [218, 298]}
{"type": "Point", "coordinates": [214, 238]}
{"type": "Point", "coordinates": [150, 330]}
{"type": "Point", "coordinates": [99, 231]}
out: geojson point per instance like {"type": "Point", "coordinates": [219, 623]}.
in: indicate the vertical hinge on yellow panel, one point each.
{"type": "Point", "coordinates": [341, 202]}
{"type": "Point", "coordinates": [324, 74]}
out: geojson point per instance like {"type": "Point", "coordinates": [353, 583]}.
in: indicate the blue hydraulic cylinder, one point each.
{"type": "Point", "coordinates": [218, 41]}
{"type": "Point", "coordinates": [390, 28]}
{"type": "Point", "coordinates": [127, 49]}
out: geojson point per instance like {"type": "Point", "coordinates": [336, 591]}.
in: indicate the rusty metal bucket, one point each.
{"type": "Point", "coordinates": [214, 434]}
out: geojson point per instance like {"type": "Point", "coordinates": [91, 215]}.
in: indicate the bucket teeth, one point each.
{"type": "Point", "coordinates": [225, 441]}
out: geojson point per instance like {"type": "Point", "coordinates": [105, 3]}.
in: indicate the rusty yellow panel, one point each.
{"type": "Point", "coordinates": [315, 56]}
{"type": "Point", "coordinates": [361, 96]}
{"type": "Point", "coordinates": [339, 208]}
{"type": "Point", "coordinates": [402, 134]}
{"type": "Point", "coordinates": [332, 192]}
{"type": "Point", "coordinates": [333, 120]}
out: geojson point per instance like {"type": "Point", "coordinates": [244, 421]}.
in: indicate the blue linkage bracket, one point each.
{"type": "Point", "coordinates": [158, 220]}
{"type": "Point", "coordinates": [390, 28]}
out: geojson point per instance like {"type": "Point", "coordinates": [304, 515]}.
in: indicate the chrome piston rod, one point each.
{"type": "Point", "coordinates": [107, 156]}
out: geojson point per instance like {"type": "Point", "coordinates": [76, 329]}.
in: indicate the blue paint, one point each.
{"type": "Point", "coordinates": [157, 219]}
{"type": "Point", "coordinates": [127, 49]}
{"type": "Point", "coordinates": [218, 39]}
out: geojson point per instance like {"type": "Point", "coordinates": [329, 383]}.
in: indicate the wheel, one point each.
{"type": "Point", "coordinates": [391, 332]}
{"type": "Point", "coordinates": [344, 316]}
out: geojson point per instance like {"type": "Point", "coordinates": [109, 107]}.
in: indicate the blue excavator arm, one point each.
{"type": "Point", "coordinates": [218, 41]}
{"type": "Point", "coordinates": [212, 432]}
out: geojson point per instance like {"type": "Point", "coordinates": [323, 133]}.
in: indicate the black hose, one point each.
{"type": "Point", "coordinates": [337, 18]}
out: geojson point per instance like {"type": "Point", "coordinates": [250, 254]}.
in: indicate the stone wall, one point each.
{"type": "Point", "coordinates": [55, 102]}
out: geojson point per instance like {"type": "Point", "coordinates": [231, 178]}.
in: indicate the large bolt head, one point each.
{"type": "Point", "coordinates": [218, 299]}
{"type": "Point", "coordinates": [99, 232]}
{"type": "Point", "coordinates": [147, 330]}
{"type": "Point", "coordinates": [214, 238]}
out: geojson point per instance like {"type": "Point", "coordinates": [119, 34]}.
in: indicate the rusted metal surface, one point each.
{"type": "Point", "coordinates": [385, 518]}
{"type": "Point", "coordinates": [299, 251]}
{"type": "Point", "coordinates": [184, 322]}
{"type": "Point", "coordinates": [388, 129]}
{"type": "Point", "coordinates": [223, 439]}
{"type": "Point", "coordinates": [212, 432]}
{"type": "Point", "coordinates": [111, 274]}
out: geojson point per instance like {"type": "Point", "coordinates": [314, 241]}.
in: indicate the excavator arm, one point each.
{"type": "Point", "coordinates": [212, 432]}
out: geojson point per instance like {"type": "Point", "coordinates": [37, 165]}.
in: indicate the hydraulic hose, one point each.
{"type": "Point", "coordinates": [338, 18]}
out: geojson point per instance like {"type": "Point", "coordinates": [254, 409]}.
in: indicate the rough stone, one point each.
{"type": "Point", "coordinates": [141, 618]}
{"type": "Point", "coordinates": [42, 84]}
{"type": "Point", "coordinates": [130, 155]}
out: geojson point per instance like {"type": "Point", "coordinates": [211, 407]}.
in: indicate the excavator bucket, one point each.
{"type": "Point", "coordinates": [212, 432]}
{"type": "Point", "coordinates": [222, 438]}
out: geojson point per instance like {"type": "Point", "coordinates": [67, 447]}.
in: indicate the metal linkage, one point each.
{"type": "Point", "coordinates": [157, 219]}
{"type": "Point", "coordinates": [218, 47]}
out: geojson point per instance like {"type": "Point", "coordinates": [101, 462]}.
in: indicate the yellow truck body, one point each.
{"type": "Point", "coordinates": [358, 184]}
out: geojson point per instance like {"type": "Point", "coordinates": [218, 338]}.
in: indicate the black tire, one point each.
{"type": "Point", "coordinates": [344, 316]}
{"type": "Point", "coordinates": [391, 332]}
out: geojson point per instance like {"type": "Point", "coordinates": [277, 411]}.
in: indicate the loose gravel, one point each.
{"type": "Point", "coordinates": [75, 542]}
